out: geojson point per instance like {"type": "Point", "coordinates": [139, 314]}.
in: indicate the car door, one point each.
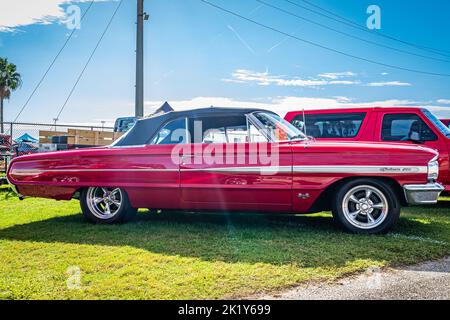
{"type": "Point", "coordinates": [157, 165]}
{"type": "Point", "coordinates": [231, 167]}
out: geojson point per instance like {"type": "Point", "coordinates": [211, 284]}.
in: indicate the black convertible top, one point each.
{"type": "Point", "coordinates": [145, 129]}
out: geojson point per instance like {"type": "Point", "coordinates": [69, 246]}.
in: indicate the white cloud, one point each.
{"type": "Point", "coordinates": [282, 105]}
{"type": "Point", "coordinates": [265, 79]}
{"type": "Point", "coordinates": [343, 99]}
{"type": "Point", "coordinates": [323, 79]}
{"type": "Point", "coordinates": [19, 13]}
{"type": "Point", "coordinates": [444, 101]}
{"type": "Point", "coordinates": [389, 84]}
{"type": "Point", "coordinates": [337, 75]}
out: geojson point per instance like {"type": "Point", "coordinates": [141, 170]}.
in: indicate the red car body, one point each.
{"type": "Point", "coordinates": [371, 129]}
{"type": "Point", "coordinates": [152, 180]}
{"type": "Point", "coordinates": [305, 179]}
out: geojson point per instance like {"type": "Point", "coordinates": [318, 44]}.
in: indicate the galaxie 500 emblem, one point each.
{"type": "Point", "coordinates": [399, 169]}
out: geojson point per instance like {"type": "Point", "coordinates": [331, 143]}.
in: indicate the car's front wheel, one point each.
{"type": "Point", "coordinates": [106, 205]}
{"type": "Point", "coordinates": [366, 206]}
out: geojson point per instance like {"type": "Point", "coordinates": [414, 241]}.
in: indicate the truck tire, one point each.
{"type": "Point", "coordinates": [366, 206]}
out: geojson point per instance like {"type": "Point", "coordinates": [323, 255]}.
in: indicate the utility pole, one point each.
{"type": "Point", "coordinates": [139, 108]}
{"type": "Point", "coordinates": [55, 120]}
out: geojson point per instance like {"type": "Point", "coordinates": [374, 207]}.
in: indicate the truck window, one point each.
{"type": "Point", "coordinates": [445, 130]}
{"type": "Point", "coordinates": [402, 126]}
{"type": "Point", "coordinates": [331, 125]}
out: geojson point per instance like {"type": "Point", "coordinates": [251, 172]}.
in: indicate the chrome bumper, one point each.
{"type": "Point", "coordinates": [417, 194]}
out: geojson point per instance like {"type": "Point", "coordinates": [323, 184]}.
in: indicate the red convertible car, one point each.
{"type": "Point", "coordinates": [235, 160]}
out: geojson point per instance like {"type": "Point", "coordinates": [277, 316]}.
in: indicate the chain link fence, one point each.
{"type": "Point", "coordinates": [27, 138]}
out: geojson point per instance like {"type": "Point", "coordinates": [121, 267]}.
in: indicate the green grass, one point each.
{"type": "Point", "coordinates": [194, 256]}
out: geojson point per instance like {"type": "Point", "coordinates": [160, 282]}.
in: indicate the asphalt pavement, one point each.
{"type": "Point", "coordinates": [425, 281]}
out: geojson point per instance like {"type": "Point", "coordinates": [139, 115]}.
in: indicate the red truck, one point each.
{"type": "Point", "coordinates": [446, 122]}
{"type": "Point", "coordinates": [396, 124]}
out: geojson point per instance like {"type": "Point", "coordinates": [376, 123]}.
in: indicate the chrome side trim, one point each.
{"type": "Point", "coordinates": [255, 169]}
{"type": "Point", "coordinates": [24, 172]}
{"type": "Point", "coordinates": [361, 169]}
{"type": "Point", "coordinates": [320, 169]}
{"type": "Point", "coordinates": [258, 169]}
{"type": "Point", "coordinates": [417, 194]}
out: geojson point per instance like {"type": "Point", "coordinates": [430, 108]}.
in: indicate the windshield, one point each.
{"type": "Point", "coordinates": [437, 123]}
{"type": "Point", "coordinates": [275, 128]}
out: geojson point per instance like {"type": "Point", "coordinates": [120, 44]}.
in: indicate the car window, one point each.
{"type": "Point", "coordinates": [330, 125]}
{"type": "Point", "coordinates": [275, 128]}
{"type": "Point", "coordinates": [256, 135]}
{"type": "Point", "coordinates": [404, 127]}
{"type": "Point", "coordinates": [235, 134]}
{"type": "Point", "coordinates": [230, 129]}
{"type": "Point", "coordinates": [238, 134]}
{"type": "Point", "coordinates": [215, 135]}
{"type": "Point", "coordinates": [173, 132]}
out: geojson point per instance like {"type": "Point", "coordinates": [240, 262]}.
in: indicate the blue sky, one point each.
{"type": "Point", "coordinates": [196, 55]}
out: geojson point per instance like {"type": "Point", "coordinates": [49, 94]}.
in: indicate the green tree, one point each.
{"type": "Point", "coordinates": [10, 80]}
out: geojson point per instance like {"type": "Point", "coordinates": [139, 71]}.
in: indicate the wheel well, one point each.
{"type": "Point", "coordinates": [77, 193]}
{"type": "Point", "coordinates": [323, 202]}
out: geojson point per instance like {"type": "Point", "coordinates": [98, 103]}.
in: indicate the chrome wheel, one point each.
{"type": "Point", "coordinates": [365, 207]}
{"type": "Point", "coordinates": [104, 203]}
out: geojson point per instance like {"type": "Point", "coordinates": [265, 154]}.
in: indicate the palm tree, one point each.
{"type": "Point", "coordinates": [10, 80]}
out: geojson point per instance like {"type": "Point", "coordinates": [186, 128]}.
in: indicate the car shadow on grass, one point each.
{"type": "Point", "coordinates": [277, 239]}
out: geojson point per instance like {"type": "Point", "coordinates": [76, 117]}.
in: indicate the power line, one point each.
{"type": "Point", "coordinates": [89, 60]}
{"type": "Point", "coordinates": [434, 50]}
{"type": "Point", "coordinates": [353, 24]}
{"type": "Point", "coordinates": [52, 63]}
{"type": "Point", "coordinates": [330, 12]}
{"type": "Point", "coordinates": [347, 34]}
{"type": "Point", "coordinates": [323, 46]}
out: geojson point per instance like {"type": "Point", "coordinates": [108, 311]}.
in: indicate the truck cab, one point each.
{"type": "Point", "coordinates": [396, 124]}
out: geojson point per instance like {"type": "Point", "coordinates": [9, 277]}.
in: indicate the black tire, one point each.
{"type": "Point", "coordinates": [122, 214]}
{"type": "Point", "coordinates": [381, 194]}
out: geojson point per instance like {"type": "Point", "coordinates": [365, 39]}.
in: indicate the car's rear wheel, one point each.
{"type": "Point", "coordinates": [106, 205]}
{"type": "Point", "coordinates": [366, 206]}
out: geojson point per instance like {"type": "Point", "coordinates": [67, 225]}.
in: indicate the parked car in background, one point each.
{"type": "Point", "coordinates": [401, 125]}
{"type": "Point", "coordinates": [5, 153]}
{"type": "Point", "coordinates": [124, 124]}
{"type": "Point", "coordinates": [234, 160]}
{"type": "Point", "coordinates": [5, 143]}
